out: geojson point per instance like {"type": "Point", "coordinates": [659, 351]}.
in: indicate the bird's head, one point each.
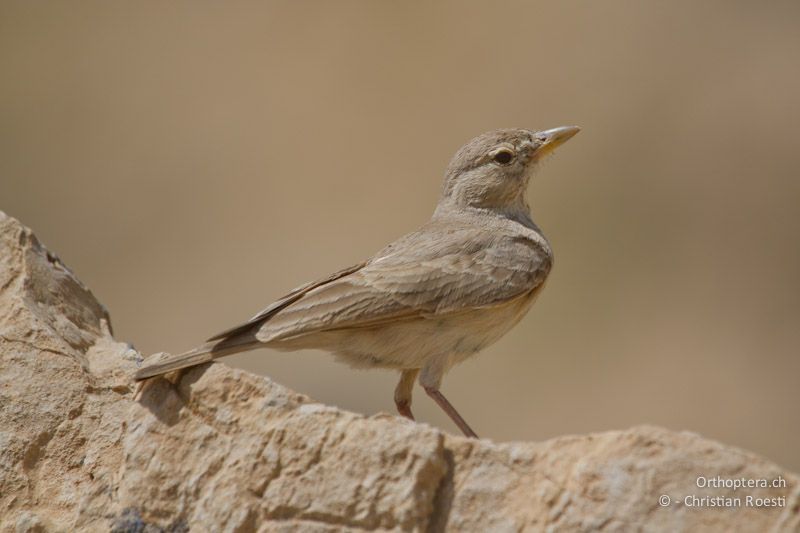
{"type": "Point", "coordinates": [492, 170]}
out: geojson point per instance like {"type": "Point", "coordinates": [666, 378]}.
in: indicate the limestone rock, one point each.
{"type": "Point", "coordinates": [224, 450]}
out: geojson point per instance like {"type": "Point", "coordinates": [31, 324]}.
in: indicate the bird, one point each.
{"type": "Point", "coordinates": [432, 298]}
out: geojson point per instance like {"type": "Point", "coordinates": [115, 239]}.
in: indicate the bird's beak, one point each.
{"type": "Point", "coordinates": [550, 139]}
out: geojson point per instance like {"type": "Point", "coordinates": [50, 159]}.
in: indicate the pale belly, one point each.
{"type": "Point", "coordinates": [412, 343]}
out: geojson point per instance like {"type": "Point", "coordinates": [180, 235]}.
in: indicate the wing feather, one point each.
{"type": "Point", "coordinates": [407, 281]}
{"type": "Point", "coordinates": [282, 303]}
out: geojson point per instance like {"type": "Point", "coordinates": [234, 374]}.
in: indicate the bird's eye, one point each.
{"type": "Point", "coordinates": [503, 156]}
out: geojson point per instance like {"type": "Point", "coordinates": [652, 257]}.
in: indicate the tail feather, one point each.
{"type": "Point", "coordinates": [197, 356]}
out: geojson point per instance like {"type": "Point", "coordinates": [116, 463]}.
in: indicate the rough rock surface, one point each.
{"type": "Point", "coordinates": [225, 450]}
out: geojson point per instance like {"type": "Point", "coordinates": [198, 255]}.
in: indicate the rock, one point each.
{"type": "Point", "coordinates": [224, 450]}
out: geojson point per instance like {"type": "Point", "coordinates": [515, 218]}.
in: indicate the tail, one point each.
{"type": "Point", "coordinates": [197, 356]}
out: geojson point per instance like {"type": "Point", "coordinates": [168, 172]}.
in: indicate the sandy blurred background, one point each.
{"type": "Point", "coordinates": [193, 161]}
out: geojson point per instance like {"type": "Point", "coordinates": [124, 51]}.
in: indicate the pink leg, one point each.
{"type": "Point", "coordinates": [448, 408]}
{"type": "Point", "coordinates": [405, 410]}
{"type": "Point", "coordinates": [402, 394]}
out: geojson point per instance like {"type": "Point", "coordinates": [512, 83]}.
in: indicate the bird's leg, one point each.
{"type": "Point", "coordinates": [430, 380]}
{"type": "Point", "coordinates": [448, 408]}
{"type": "Point", "coordinates": [402, 393]}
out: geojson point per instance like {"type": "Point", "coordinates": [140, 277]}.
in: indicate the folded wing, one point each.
{"type": "Point", "coordinates": [418, 276]}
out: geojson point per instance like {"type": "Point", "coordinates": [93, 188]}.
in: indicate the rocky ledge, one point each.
{"type": "Point", "coordinates": [225, 450]}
